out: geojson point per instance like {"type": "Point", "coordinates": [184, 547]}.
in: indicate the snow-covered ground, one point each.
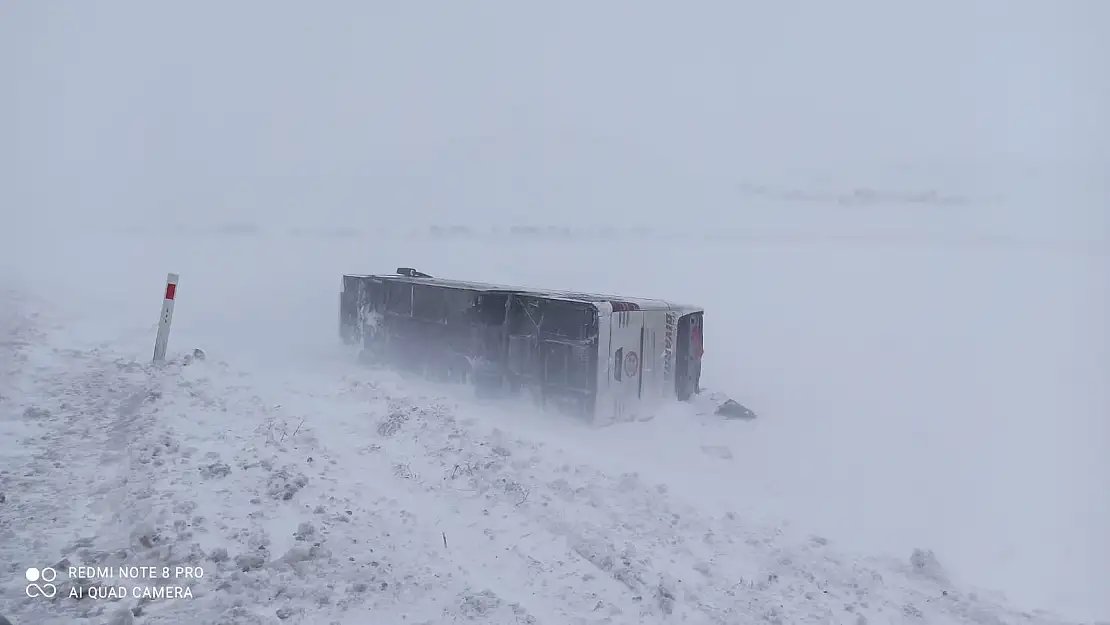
{"type": "Point", "coordinates": [915, 398]}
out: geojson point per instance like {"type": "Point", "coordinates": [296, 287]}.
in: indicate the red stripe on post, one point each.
{"type": "Point", "coordinates": [171, 290]}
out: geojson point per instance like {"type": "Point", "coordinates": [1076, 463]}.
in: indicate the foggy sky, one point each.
{"type": "Point", "coordinates": [350, 112]}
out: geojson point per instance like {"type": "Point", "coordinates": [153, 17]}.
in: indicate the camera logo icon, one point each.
{"type": "Point", "coordinates": [46, 589]}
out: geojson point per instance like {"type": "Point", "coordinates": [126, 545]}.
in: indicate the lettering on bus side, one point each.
{"type": "Point", "coordinates": [668, 346]}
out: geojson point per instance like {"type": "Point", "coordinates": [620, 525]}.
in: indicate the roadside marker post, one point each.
{"type": "Point", "coordinates": [163, 338]}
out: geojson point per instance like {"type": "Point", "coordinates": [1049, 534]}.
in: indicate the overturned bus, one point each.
{"type": "Point", "coordinates": [601, 358]}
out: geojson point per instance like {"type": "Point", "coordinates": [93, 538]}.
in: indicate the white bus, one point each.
{"type": "Point", "coordinates": [600, 357]}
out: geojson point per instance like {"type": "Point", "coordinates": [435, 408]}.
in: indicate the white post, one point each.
{"type": "Point", "coordinates": [163, 337]}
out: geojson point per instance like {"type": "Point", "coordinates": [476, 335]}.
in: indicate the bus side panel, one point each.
{"type": "Point", "coordinates": [552, 353]}
{"type": "Point", "coordinates": [603, 402]}
{"type": "Point", "coordinates": [625, 349]}
{"type": "Point", "coordinates": [653, 386]}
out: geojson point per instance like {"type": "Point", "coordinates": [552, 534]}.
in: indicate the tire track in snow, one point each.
{"type": "Point", "coordinates": [481, 533]}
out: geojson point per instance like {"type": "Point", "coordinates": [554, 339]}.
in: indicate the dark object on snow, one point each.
{"type": "Point", "coordinates": [732, 409]}
{"type": "Point", "coordinates": [198, 354]}
{"type": "Point", "coordinates": [409, 272]}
